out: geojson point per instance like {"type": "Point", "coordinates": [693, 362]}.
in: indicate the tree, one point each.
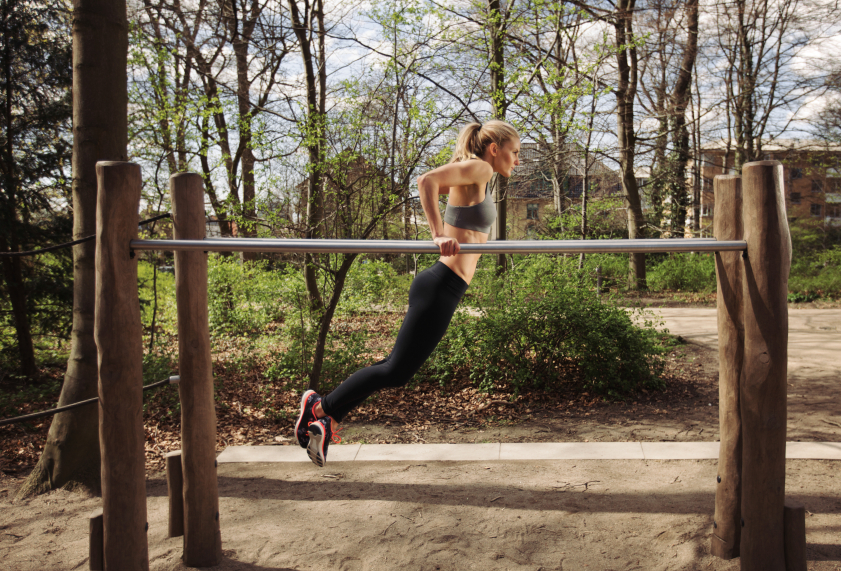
{"type": "Point", "coordinates": [666, 80]}
{"type": "Point", "coordinates": [756, 54]}
{"type": "Point", "coordinates": [34, 121]}
{"type": "Point", "coordinates": [100, 132]}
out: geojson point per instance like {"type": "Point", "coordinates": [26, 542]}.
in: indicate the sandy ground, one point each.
{"type": "Point", "coordinates": [555, 515]}
{"type": "Point", "coordinates": [551, 515]}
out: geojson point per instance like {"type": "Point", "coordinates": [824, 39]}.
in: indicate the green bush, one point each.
{"type": "Point", "coordinates": [542, 326]}
{"type": "Point", "coordinates": [815, 275]}
{"type": "Point", "coordinates": [683, 272]}
{"type": "Point", "coordinates": [244, 297]}
{"type": "Point", "coordinates": [372, 283]}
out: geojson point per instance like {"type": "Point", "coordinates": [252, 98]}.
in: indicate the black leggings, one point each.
{"type": "Point", "coordinates": [433, 298]}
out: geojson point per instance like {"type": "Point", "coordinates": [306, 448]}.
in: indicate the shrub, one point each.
{"type": "Point", "coordinates": [244, 297]}
{"type": "Point", "coordinates": [684, 272]}
{"type": "Point", "coordinates": [371, 284]}
{"type": "Point", "coordinates": [816, 275]}
{"type": "Point", "coordinates": [542, 326]}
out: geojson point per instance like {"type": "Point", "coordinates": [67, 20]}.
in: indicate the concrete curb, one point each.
{"type": "Point", "coordinates": [512, 451]}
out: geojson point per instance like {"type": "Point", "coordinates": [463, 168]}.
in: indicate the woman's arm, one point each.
{"type": "Point", "coordinates": [438, 181]}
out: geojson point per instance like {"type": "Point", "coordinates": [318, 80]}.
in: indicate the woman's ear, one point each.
{"type": "Point", "coordinates": [494, 149]}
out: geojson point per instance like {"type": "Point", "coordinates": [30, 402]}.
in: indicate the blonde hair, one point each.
{"type": "Point", "coordinates": [474, 138]}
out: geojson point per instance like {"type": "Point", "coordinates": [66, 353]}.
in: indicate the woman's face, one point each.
{"type": "Point", "coordinates": [506, 157]}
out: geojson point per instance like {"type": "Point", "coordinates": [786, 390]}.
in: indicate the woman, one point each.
{"type": "Point", "coordinates": [481, 151]}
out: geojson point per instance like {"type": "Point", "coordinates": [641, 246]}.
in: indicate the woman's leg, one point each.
{"type": "Point", "coordinates": [433, 299]}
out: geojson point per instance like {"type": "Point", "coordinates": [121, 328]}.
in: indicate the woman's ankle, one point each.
{"type": "Point", "coordinates": [318, 411]}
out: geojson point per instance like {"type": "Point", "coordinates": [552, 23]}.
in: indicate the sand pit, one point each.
{"type": "Point", "coordinates": [504, 515]}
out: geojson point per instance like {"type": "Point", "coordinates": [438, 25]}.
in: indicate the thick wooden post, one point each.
{"type": "Point", "coordinates": [202, 543]}
{"type": "Point", "coordinates": [175, 491]}
{"type": "Point", "coordinates": [117, 333]}
{"type": "Point", "coordinates": [763, 387]}
{"type": "Point", "coordinates": [731, 333]}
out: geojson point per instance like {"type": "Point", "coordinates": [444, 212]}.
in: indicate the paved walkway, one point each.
{"type": "Point", "coordinates": [510, 451]}
{"type": "Point", "coordinates": [814, 337]}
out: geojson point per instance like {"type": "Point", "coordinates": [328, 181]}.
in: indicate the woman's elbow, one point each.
{"type": "Point", "coordinates": [425, 183]}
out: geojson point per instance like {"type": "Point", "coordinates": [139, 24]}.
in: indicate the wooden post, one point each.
{"type": "Point", "coordinates": [729, 268]}
{"type": "Point", "coordinates": [202, 543]}
{"type": "Point", "coordinates": [95, 560]}
{"type": "Point", "coordinates": [763, 387]}
{"type": "Point", "coordinates": [175, 490]}
{"type": "Point", "coordinates": [794, 523]}
{"type": "Point", "coordinates": [117, 333]}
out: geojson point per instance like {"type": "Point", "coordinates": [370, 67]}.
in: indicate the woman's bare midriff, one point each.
{"type": "Point", "coordinates": [463, 264]}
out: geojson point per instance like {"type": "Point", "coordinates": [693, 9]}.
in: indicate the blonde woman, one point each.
{"type": "Point", "coordinates": [481, 151]}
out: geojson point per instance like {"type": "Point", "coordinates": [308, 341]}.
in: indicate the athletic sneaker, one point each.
{"type": "Point", "coordinates": [321, 433]}
{"type": "Point", "coordinates": [307, 417]}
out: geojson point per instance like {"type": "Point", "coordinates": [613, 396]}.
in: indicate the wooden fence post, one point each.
{"type": "Point", "coordinates": [202, 542]}
{"type": "Point", "coordinates": [95, 562]}
{"type": "Point", "coordinates": [729, 268]}
{"type": "Point", "coordinates": [117, 333]}
{"type": "Point", "coordinates": [175, 491]}
{"type": "Point", "coordinates": [763, 387]}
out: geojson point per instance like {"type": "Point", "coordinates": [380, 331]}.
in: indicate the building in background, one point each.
{"type": "Point", "coordinates": [812, 177]}
{"type": "Point", "coordinates": [532, 193]}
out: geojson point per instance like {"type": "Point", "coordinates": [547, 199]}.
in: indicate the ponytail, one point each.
{"type": "Point", "coordinates": [474, 138]}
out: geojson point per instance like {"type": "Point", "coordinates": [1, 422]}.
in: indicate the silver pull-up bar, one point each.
{"type": "Point", "coordinates": [321, 246]}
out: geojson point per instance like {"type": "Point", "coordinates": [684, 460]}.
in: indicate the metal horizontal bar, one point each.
{"type": "Point", "coordinates": [285, 245]}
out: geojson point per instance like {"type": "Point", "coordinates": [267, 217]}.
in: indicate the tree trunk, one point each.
{"type": "Point", "coordinates": [100, 132]}
{"type": "Point", "coordinates": [496, 22]}
{"type": "Point", "coordinates": [241, 37]}
{"type": "Point", "coordinates": [314, 143]}
{"type": "Point", "coordinates": [679, 104]}
{"type": "Point", "coordinates": [326, 320]}
{"type": "Point", "coordinates": [626, 58]}
{"type": "Point", "coordinates": [12, 270]}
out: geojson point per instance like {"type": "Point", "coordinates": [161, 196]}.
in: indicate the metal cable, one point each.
{"type": "Point", "coordinates": [170, 381]}
{"type": "Point", "coordinates": [74, 242]}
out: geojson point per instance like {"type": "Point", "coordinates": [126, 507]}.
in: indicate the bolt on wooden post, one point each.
{"type": "Point", "coordinates": [202, 542]}
{"type": "Point", "coordinates": [729, 268]}
{"type": "Point", "coordinates": [117, 333]}
{"type": "Point", "coordinates": [762, 398]}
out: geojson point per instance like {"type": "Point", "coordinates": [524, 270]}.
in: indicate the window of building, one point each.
{"type": "Point", "coordinates": [531, 211]}
{"type": "Point", "coordinates": [833, 210]}
{"type": "Point", "coordinates": [795, 198]}
{"type": "Point", "coordinates": [815, 209]}
{"type": "Point", "coordinates": [796, 174]}
{"type": "Point", "coordinates": [833, 180]}
{"type": "Point", "coordinates": [817, 186]}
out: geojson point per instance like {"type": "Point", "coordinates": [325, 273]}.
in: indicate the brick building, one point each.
{"type": "Point", "coordinates": [531, 193]}
{"type": "Point", "coordinates": [812, 175]}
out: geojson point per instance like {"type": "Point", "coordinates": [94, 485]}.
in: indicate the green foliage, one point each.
{"type": "Point", "coordinates": [815, 261]}
{"type": "Point", "coordinates": [372, 283]}
{"type": "Point", "coordinates": [245, 297]}
{"type": "Point", "coordinates": [683, 272]}
{"type": "Point", "coordinates": [542, 326]}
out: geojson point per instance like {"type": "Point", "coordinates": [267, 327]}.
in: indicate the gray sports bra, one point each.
{"type": "Point", "coordinates": [477, 217]}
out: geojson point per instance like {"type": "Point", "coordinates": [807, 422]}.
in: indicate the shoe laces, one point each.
{"type": "Point", "coordinates": [335, 436]}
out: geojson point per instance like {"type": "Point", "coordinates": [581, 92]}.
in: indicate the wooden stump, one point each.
{"type": "Point", "coordinates": [202, 544]}
{"type": "Point", "coordinates": [763, 388]}
{"type": "Point", "coordinates": [117, 333]}
{"type": "Point", "coordinates": [794, 524]}
{"type": "Point", "coordinates": [175, 491]}
{"type": "Point", "coordinates": [95, 553]}
{"type": "Point", "coordinates": [729, 272]}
